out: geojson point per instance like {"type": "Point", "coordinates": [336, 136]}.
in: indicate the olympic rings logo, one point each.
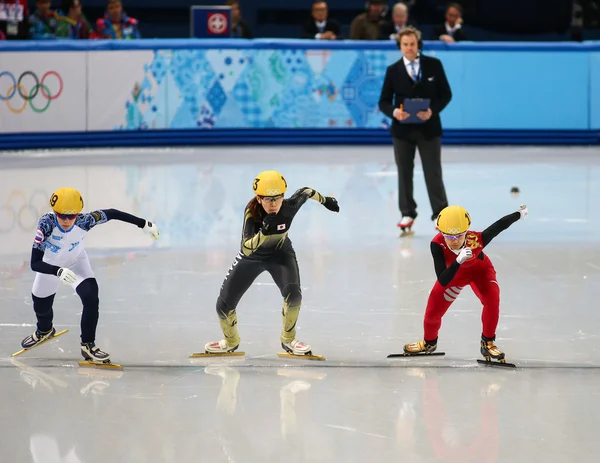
{"type": "Point", "coordinates": [23, 211]}
{"type": "Point", "coordinates": [453, 231]}
{"type": "Point", "coordinates": [28, 95]}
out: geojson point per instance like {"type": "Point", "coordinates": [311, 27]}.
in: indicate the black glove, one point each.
{"type": "Point", "coordinates": [273, 225]}
{"type": "Point", "coordinates": [331, 204]}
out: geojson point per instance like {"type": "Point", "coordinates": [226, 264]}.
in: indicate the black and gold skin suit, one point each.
{"type": "Point", "coordinates": [266, 247]}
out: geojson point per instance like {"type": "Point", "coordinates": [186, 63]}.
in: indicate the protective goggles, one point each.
{"type": "Point", "coordinates": [272, 199]}
{"type": "Point", "coordinates": [454, 237]}
{"type": "Point", "coordinates": [66, 216]}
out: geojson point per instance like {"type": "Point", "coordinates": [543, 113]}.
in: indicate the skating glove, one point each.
{"type": "Point", "coordinates": [464, 254]}
{"type": "Point", "coordinates": [151, 229]}
{"type": "Point", "coordinates": [331, 204]}
{"type": "Point", "coordinates": [274, 224]}
{"type": "Point", "coordinates": [66, 276]}
{"type": "Point", "coordinates": [523, 211]}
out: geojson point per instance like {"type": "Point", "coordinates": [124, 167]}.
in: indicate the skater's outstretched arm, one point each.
{"type": "Point", "coordinates": [300, 197]}
{"type": "Point", "coordinates": [90, 220]}
{"type": "Point", "coordinates": [500, 225]}
{"type": "Point", "coordinates": [444, 274]}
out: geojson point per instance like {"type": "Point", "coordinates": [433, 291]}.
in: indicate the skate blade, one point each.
{"type": "Point", "coordinates": [304, 357]}
{"type": "Point", "coordinates": [59, 333]}
{"type": "Point", "coordinates": [104, 366]}
{"type": "Point", "coordinates": [406, 233]}
{"type": "Point", "coordinates": [433, 354]}
{"type": "Point", "coordinates": [223, 354]}
{"type": "Point", "coordinates": [495, 363]}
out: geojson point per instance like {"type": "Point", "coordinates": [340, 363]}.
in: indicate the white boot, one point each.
{"type": "Point", "coordinates": [297, 347]}
{"type": "Point", "coordinates": [93, 354]}
{"type": "Point", "coordinates": [406, 222]}
{"type": "Point", "coordinates": [218, 347]}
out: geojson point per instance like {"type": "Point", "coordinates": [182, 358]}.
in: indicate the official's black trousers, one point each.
{"type": "Point", "coordinates": [430, 151]}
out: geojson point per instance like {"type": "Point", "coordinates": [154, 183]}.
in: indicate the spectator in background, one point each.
{"type": "Point", "coordinates": [2, 36]}
{"type": "Point", "coordinates": [367, 25]}
{"type": "Point", "coordinates": [14, 19]}
{"type": "Point", "coordinates": [400, 20]}
{"type": "Point", "coordinates": [72, 23]}
{"type": "Point", "coordinates": [116, 24]}
{"type": "Point", "coordinates": [239, 27]}
{"type": "Point", "coordinates": [42, 23]}
{"type": "Point", "coordinates": [451, 31]}
{"type": "Point", "coordinates": [320, 27]}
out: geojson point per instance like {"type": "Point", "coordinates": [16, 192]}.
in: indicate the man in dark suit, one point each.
{"type": "Point", "coordinates": [451, 31]}
{"type": "Point", "coordinates": [416, 76]}
{"type": "Point", "coordinates": [320, 27]}
{"type": "Point", "coordinates": [239, 27]}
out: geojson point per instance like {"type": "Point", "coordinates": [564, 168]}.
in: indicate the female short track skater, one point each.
{"type": "Point", "coordinates": [58, 255]}
{"type": "Point", "coordinates": [266, 246]}
{"type": "Point", "coordinates": [459, 261]}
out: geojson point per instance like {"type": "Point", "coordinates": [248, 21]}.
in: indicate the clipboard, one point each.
{"type": "Point", "coordinates": [412, 106]}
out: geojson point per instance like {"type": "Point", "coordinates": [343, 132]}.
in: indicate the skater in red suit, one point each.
{"type": "Point", "coordinates": [459, 261]}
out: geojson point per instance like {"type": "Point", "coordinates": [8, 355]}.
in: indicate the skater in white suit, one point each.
{"type": "Point", "coordinates": [58, 255]}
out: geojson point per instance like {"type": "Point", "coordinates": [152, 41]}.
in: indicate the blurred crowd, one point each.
{"type": "Point", "coordinates": [378, 20]}
{"type": "Point", "coordinates": [65, 22]}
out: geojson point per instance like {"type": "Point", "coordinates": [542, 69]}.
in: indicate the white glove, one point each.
{"type": "Point", "coordinates": [151, 229]}
{"type": "Point", "coordinates": [464, 255]}
{"type": "Point", "coordinates": [523, 211]}
{"type": "Point", "coordinates": [66, 276]}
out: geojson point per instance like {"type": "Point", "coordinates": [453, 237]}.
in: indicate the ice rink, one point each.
{"type": "Point", "coordinates": [364, 296]}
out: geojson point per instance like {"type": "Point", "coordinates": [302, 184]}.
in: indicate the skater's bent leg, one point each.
{"type": "Point", "coordinates": [228, 322]}
{"type": "Point", "coordinates": [88, 292]}
{"type": "Point", "coordinates": [42, 293]}
{"type": "Point", "coordinates": [488, 292]}
{"type": "Point", "coordinates": [292, 300]}
{"type": "Point", "coordinates": [286, 275]}
{"type": "Point", "coordinates": [43, 312]}
{"type": "Point", "coordinates": [440, 299]}
{"type": "Point", "coordinates": [239, 278]}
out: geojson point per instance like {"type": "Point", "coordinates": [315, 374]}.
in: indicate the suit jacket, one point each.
{"type": "Point", "coordinates": [398, 85]}
{"type": "Point", "coordinates": [309, 28]}
{"type": "Point", "coordinates": [459, 34]}
{"type": "Point", "coordinates": [242, 30]}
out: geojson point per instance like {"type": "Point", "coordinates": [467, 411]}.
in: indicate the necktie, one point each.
{"type": "Point", "coordinates": [413, 72]}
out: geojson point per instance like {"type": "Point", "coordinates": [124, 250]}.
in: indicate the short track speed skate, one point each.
{"type": "Point", "coordinates": [418, 349]}
{"type": "Point", "coordinates": [37, 339]}
{"type": "Point", "coordinates": [494, 357]}
{"type": "Point", "coordinates": [421, 354]}
{"type": "Point", "coordinates": [218, 349]}
{"type": "Point", "coordinates": [298, 350]}
{"type": "Point", "coordinates": [405, 226]}
{"type": "Point", "coordinates": [95, 358]}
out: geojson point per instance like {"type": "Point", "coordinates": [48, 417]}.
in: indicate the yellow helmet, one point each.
{"type": "Point", "coordinates": [453, 220]}
{"type": "Point", "coordinates": [269, 183]}
{"type": "Point", "coordinates": [66, 201]}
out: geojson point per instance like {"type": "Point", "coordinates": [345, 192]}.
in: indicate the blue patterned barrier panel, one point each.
{"type": "Point", "coordinates": [299, 91]}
